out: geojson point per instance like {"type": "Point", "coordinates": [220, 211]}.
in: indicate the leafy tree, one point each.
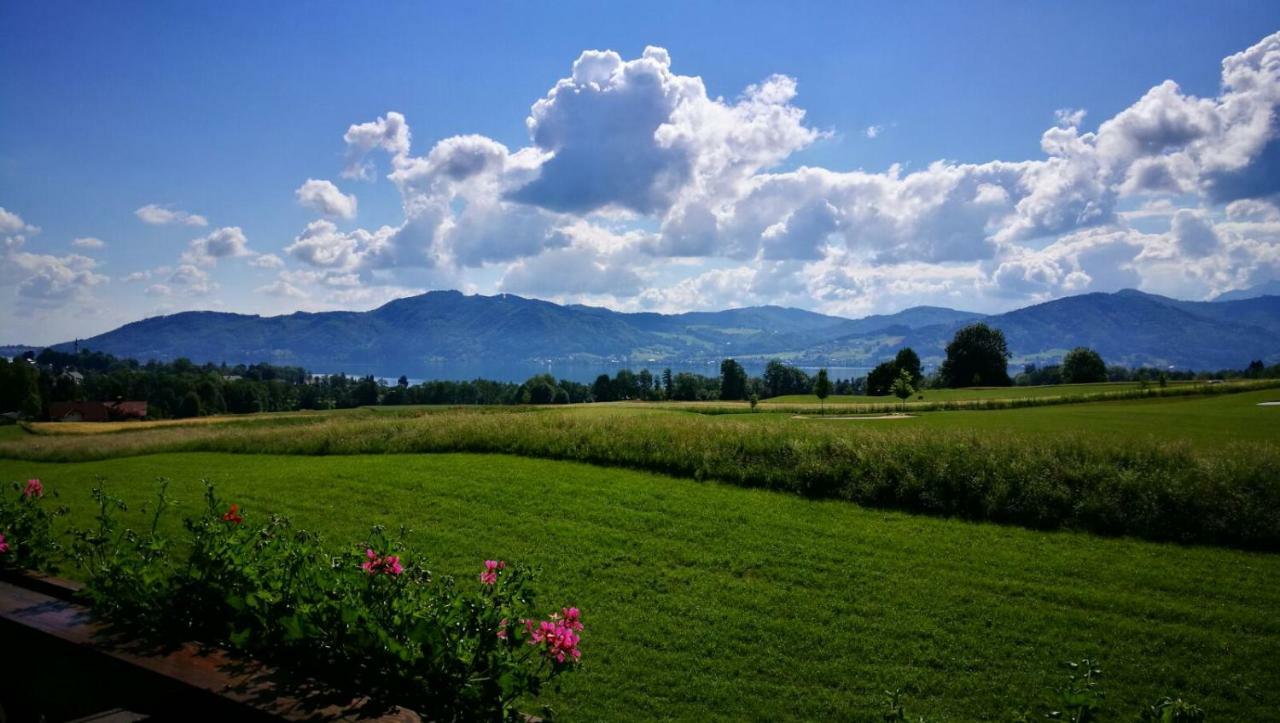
{"type": "Point", "coordinates": [32, 408]}
{"type": "Point", "coordinates": [645, 380]}
{"type": "Point", "coordinates": [562, 396]}
{"type": "Point", "coordinates": [540, 392]}
{"type": "Point", "coordinates": [668, 387]}
{"type": "Point", "coordinates": [733, 380]}
{"type": "Point", "coordinates": [602, 389]}
{"type": "Point", "coordinates": [190, 406]}
{"type": "Point", "coordinates": [625, 385]}
{"type": "Point", "coordinates": [881, 378]}
{"type": "Point", "coordinates": [366, 392]}
{"type": "Point", "coordinates": [402, 382]}
{"type": "Point", "coordinates": [910, 361]}
{"type": "Point", "coordinates": [780, 379]}
{"type": "Point", "coordinates": [754, 399]}
{"type": "Point", "coordinates": [1083, 365]}
{"type": "Point", "coordinates": [686, 387]}
{"type": "Point", "coordinates": [822, 388]}
{"type": "Point", "coordinates": [977, 356]}
{"type": "Point", "coordinates": [902, 387]}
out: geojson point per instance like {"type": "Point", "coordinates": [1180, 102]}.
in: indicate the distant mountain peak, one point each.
{"type": "Point", "coordinates": [1126, 327]}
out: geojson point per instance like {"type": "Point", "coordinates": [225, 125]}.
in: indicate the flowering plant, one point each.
{"type": "Point", "coordinates": [26, 528]}
{"type": "Point", "coordinates": [371, 621]}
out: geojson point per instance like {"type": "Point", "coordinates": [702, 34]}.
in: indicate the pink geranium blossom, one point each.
{"type": "Point", "coordinates": [502, 629]}
{"type": "Point", "coordinates": [4, 546]}
{"type": "Point", "coordinates": [33, 489]}
{"type": "Point", "coordinates": [558, 637]}
{"type": "Point", "coordinates": [490, 574]}
{"type": "Point", "coordinates": [375, 564]}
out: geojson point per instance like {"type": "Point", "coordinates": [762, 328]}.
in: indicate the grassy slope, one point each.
{"type": "Point", "coordinates": [705, 601]}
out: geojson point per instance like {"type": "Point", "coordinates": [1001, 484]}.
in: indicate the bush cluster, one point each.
{"type": "Point", "coordinates": [369, 622]}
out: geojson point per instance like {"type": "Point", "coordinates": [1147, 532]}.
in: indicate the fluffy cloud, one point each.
{"type": "Point", "coordinates": [12, 223]}
{"type": "Point", "coordinates": [227, 242]}
{"type": "Point", "coordinates": [283, 289]}
{"type": "Point", "coordinates": [88, 242]}
{"type": "Point", "coordinates": [389, 133]}
{"type": "Point", "coordinates": [323, 245]}
{"type": "Point", "coordinates": [160, 216]}
{"type": "Point", "coordinates": [50, 281]}
{"type": "Point", "coordinates": [193, 280]}
{"type": "Point", "coordinates": [634, 175]}
{"type": "Point", "coordinates": [324, 197]}
{"type": "Point", "coordinates": [267, 261]}
{"type": "Point", "coordinates": [41, 281]}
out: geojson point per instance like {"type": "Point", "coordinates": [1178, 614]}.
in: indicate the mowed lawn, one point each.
{"type": "Point", "coordinates": [709, 602]}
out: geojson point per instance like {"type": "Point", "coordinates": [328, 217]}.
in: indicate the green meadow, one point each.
{"type": "Point", "coordinates": [706, 601]}
{"type": "Point", "coordinates": [794, 566]}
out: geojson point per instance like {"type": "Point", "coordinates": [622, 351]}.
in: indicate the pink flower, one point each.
{"type": "Point", "coordinates": [33, 489]}
{"type": "Point", "coordinates": [375, 564]}
{"type": "Point", "coordinates": [391, 565]}
{"type": "Point", "coordinates": [502, 629]}
{"type": "Point", "coordinates": [572, 617]}
{"type": "Point", "coordinates": [490, 574]}
{"type": "Point", "coordinates": [4, 546]}
{"type": "Point", "coordinates": [557, 636]}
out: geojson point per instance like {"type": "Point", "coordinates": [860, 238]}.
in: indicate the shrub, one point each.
{"type": "Point", "coordinates": [26, 528]}
{"type": "Point", "coordinates": [369, 621]}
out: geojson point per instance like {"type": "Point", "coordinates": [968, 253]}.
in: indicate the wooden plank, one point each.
{"type": "Point", "coordinates": [212, 672]}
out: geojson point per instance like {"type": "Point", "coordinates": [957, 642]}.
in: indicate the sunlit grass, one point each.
{"type": "Point", "coordinates": [710, 602]}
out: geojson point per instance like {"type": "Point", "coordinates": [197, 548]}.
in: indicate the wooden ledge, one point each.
{"type": "Point", "coordinates": [188, 682]}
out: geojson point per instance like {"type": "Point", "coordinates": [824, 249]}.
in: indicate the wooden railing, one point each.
{"type": "Point", "coordinates": [58, 663]}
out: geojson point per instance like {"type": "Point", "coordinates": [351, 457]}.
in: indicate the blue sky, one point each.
{"type": "Point", "coordinates": [840, 157]}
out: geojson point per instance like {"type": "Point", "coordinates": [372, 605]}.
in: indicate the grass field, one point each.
{"type": "Point", "coordinates": [1048, 390]}
{"type": "Point", "coordinates": [1210, 472]}
{"type": "Point", "coordinates": [706, 601]}
{"type": "Point", "coordinates": [1208, 423]}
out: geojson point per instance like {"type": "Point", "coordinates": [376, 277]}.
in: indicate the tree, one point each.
{"type": "Point", "coordinates": [645, 380]}
{"type": "Point", "coordinates": [32, 407]}
{"type": "Point", "coordinates": [977, 356]}
{"type": "Point", "coordinates": [602, 389]}
{"type": "Point", "coordinates": [733, 381]}
{"type": "Point", "coordinates": [402, 382]}
{"type": "Point", "coordinates": [822, 388]}
{"type": "Point", "coordinates": [754, 399]}
{"type": "Point", "coordinates": [780, 379]}
{"type": "Point", "coordinates": [910, 361]}
{"type": "Point", "coordinates": [541, 392]}
{"type": "Point", "coordinates": [190, 406]}
{"type": "Point", "coordinates": [1083, 365]}
{"type": "Point", "coordinates": [881, 379]}
{"type": "Point", "coordinates": [903, 388]}
{"type": "Point", "coordinates": [668, 387]}
{"type": "Point", "coordinates": [685, 387]}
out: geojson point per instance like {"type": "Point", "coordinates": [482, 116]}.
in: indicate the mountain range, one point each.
{"type": "Point", "coordinates": [447, 327]}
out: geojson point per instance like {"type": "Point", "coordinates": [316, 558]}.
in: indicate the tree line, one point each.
{"type": "Point", "coordinates": [977, 356]}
